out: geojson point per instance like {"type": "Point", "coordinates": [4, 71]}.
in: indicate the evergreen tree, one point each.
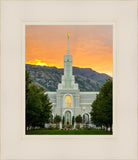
{"type": "Point", "coordinates": [73, 120]}
{"type": "Point", "coordinates": [63, 121]}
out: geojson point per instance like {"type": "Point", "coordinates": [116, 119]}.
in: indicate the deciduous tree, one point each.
{"type": "Point", "coordinates": [38, 106]}
{"type": "Point", "coordinates": [101, 114]}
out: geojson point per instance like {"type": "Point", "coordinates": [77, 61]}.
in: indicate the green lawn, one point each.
{"type": "Point", "coordinates": [68, 132]}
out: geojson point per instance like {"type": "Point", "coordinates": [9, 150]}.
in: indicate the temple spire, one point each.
{"type": "Point", "coordinates": [68, 43]}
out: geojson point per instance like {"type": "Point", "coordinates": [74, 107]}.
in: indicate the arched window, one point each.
{"type": "Point", "coordinates": [67, 101]}
{"type": "Point", "coordinates": [86, 118]}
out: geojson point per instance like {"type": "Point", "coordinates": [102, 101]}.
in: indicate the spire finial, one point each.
{"type": "Point", "coordinates": [68, 35]}
{"type": "Point", "coordinates": [68, 41]}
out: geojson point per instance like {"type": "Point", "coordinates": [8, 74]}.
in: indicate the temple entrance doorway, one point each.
{"type": "Point", "coordinates": [68, 118]}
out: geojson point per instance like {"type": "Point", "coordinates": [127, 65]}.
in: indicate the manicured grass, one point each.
{"type": "Point", "coordinates": [68, 132]}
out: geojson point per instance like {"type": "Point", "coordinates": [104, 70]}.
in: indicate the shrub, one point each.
{"type": "Point", "coordinates": [69, 126]}
{"type": "Point", "coordinates": [78, 119]}
{"type": "Point", "coordinates": [57, 127]}
{"type": "Point", "coordinates": [57, 119]}
{"type": "Point", "coordinates": [78, 126]}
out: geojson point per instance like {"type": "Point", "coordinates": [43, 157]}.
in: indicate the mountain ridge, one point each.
{"type": "Point", "coordinates": [49, 77]}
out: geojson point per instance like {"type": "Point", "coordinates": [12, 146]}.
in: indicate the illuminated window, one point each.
{"type": "Point", "coordinates": [68, 101]}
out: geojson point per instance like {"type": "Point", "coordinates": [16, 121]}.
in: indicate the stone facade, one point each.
{"type": "Point", "coordinates": [80, 102]}
{"type": "Point", "coordinates": [68, 101]}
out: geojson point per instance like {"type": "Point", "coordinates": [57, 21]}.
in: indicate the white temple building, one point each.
{"type": "Point", "coordinates": [68, 101]}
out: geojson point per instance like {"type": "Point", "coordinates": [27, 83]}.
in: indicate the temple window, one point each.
{"type": "Point", "coordinates": [67, 101]}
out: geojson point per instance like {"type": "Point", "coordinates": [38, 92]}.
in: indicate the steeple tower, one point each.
{"type": "Point", "coordinates": [68, 67]}
{"type": "Point", "coordinates": [68, 81]}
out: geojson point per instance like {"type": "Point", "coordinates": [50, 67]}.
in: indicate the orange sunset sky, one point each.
{"type": "Point", "coordinates": [90, 45]}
